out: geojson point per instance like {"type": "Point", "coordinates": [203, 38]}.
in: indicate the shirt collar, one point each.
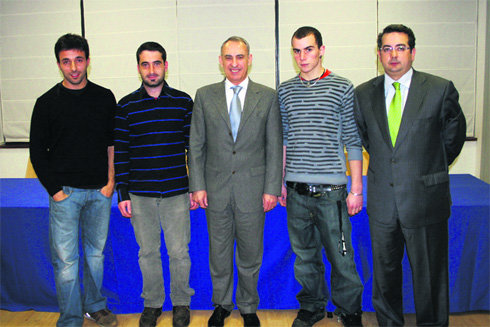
{"type": "Point", "coordinates": [163, 91]}
{"type": "Point", "coordinates": [404, 81]}
{"type": "Point", "coordinates": [243, 84]}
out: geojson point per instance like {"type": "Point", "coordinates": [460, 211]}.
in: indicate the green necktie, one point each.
{"type": "Point", "coordinates": [395, 113]}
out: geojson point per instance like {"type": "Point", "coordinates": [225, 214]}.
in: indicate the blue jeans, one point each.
{"type": "Point", "coordinates": [88, 210]}
{"type": "Point", "coordinates": [172, 214]}
{"type": "Point", "coordinates": [313, 224]}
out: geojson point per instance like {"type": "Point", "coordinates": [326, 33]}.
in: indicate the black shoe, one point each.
{"type": "Point", "coordinates": [149, 317]}
{"type": "Point", "coordinates": [181, 316]}
{"type": "Point", "coordinates": [218, 317]}
{"type": "Point", "coordinates": [250, 320]}
{"type": "Point", "coordinates": [307, 318]}
{"type": "Point", "coordinates": [104, 318]}
{"type": "Point", "coordinates": [352, 320]}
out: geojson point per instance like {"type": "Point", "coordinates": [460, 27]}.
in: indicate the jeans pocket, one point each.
{"type": "Point", "coordinates": [68, 191]}
{"type": "Point", "coordinates": [103, 195]}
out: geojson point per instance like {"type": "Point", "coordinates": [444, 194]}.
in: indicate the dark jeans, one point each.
{"type": "Point", "coordinates": [313, 224]}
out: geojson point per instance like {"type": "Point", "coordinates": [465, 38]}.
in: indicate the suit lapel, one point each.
{"type": "Point", "coordinates": [380, 108]}
{"type": "Point", "coordinates": [251, 99]}
{"type": "Point", "coordinates": [219, 98]}
{"type": "Point", "coordinates": [415, 97]}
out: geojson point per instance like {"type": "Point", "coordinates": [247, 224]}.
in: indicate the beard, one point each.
{"type": "Point", "coordinates": [154, 83]}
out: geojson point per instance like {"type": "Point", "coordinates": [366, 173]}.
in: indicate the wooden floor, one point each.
{"type": "Point", "coordinates": [273, 318]}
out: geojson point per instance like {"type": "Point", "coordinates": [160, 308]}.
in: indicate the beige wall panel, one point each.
{"type": "Point", "coordinates": [29, 69]}
{"type": "Point", "coordinates": [441, 58]}
{"type": "Point", "coordinates": [37, 6]}
{"type": "Point", "coordinates": [28, 32]}
{"type": "Point", "coordinates": [38, 47]}
{"type": "Point", "coordinates": [22, 89]}
{"type": "Point", "coordinates": [426, 11]}
{"type": "Point", "coordinates": [19, 110]}
{"type": "Point", "coordinates": [203, 26]}
{"type": "Point", "coordinates": [333, 11]}
{"type": "Point", "coordinates": [115, 30]}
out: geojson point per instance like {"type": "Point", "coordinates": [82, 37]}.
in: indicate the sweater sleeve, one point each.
{"type": "Point", "coordinates": [284, 116]}
{"type": "Point", "coordinates": [39, 147]}
{"type": "Point", "coordinates": [350, 134]}
{"type": "Point", "coordinates": [121, 153]}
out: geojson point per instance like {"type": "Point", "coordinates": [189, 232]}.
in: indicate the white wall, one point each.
{"type": "Point", "coordinates": [449, 43]}
{"type": "Point", "coordinates": [13, 163]}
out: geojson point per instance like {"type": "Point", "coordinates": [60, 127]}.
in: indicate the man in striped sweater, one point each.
{"type": "Point", "coordinates": [318, 121]}
{"type": "Point", "coordinates": [151, 138]}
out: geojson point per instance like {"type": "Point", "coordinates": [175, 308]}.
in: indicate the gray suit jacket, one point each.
{"type": "Point", "coordinates": [413, 176]}
{"type": "Point", "coordinates": [245, 169]}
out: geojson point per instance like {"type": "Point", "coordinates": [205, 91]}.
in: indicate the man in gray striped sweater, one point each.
{"type": "Point", "coordinates": [318, 121]}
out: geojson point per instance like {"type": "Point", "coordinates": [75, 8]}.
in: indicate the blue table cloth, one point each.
{"type": "Point", "coordinates": [27, 280]}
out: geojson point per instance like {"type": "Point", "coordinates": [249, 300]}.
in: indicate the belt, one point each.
{"type": "Point", "coordinates": [314, 190]}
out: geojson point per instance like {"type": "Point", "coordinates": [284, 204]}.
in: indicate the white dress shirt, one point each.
{"type": "Point", "coordinates": [404, 81]}
{"type": "Point", "coordinates": [229, 92]}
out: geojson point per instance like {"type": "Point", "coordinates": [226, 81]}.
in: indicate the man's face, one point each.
{"type": "Point", "coordinates": [235, 61]}
{"type": "Point", "coordinates": [152, 68]}
{"type": "Point", "coordinates": [73, 66]}
{"type": "Point", "coordinates": [395, 62]}
{"type": "Point", "coordinates": [307, 55]}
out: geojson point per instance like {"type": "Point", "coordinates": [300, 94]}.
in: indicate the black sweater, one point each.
{"type": "Point", "coordinates": [70, 133]}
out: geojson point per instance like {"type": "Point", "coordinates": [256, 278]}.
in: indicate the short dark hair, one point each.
{"type": "Point", "coordinates": [70, 42]}
{"type": "Point", "coordinates": [151, 46]}
{"type": "Point", "coordinates": [235, 38]}
{"type": "Point", "coordinates": [307, 30]}
{"type": "Point", "coordinates": [398, 28]}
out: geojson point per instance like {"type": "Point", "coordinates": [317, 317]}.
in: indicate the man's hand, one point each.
{"type": "Point", "coordinates": [201, 197]}
{"type": "Point", "coordinates": [125, 208]}
{"type": "Point", "coordinates": [60, 196]}
{"type": "Point", "coordinates": [108, 190]}
{"type": "Point", "coordinates": [269, 202]}
{"type": "Point", "coordinates": [193, 204]}
{"type": "Point", "coordinates": [284, 195]}
{"type": "Point", "coordinates": [354, 204]}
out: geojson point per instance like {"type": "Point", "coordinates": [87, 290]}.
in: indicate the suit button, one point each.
{"type": "Point", "coordinates": [233, 172]}
{"type": "Point", "coordinates": [393, 160]}
{"type": "Point", "coordinates": [391, 184]}
{"type": "Point", "coordinates": [234, 152]}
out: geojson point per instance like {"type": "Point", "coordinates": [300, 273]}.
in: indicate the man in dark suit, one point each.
{"type": "Point", "coordinates": [235, 174]}
{"type": "Point", "coordinates": [413, 128]}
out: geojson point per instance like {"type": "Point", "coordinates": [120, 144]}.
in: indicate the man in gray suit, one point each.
{"type": "Point", "coordinates": [413, 128]}
{"type": "Point", "coordinates": [235, 174]}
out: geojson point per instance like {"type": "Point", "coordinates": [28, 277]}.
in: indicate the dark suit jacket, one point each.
{"type": "Point", "coordinates": [247, 168]}
{"type": "Point", "coordinates": [413, 176]}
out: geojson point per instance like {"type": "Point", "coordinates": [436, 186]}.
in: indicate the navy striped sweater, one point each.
{"type": "Point", "coordinates": [317, 123]}
{"type": "Point", "coordinates": [151, 136]}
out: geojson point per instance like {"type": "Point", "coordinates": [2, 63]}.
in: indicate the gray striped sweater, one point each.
{"type": "Point", "coordinates": [317, 123]}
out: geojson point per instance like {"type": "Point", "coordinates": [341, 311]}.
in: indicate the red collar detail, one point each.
{"type": "Point", "coordinates": [325, 74]}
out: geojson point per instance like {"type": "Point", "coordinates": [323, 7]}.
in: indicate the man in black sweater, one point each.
{"type": "Point", "coordinates": [71, 149]}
